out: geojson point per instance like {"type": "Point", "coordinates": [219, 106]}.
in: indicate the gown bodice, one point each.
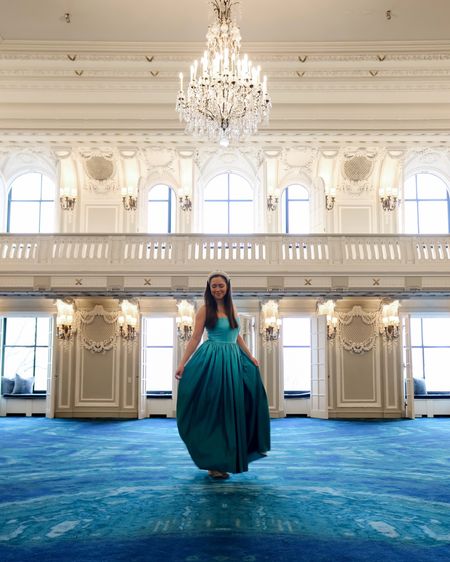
{"type": "Point", "coordinates": [222, 333]}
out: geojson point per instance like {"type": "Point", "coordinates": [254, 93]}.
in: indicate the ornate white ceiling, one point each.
{"type": "Point", "coordinates": [260, 20]}
{"type": "Point", "coordinates": [332, 66]}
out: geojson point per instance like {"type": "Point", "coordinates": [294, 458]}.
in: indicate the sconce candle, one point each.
{"type": "Point", "coordinates": [185, 320]}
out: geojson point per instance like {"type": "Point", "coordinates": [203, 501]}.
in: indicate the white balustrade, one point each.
{"type": "Point", "coordinates": [183, 253]}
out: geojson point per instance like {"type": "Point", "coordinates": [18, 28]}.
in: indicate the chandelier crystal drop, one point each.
{"type": "Point", "coordinates": [225, 99]}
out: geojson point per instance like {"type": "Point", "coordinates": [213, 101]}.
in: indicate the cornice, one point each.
{"type": "Point", "coordinates": [298, 47]}
{"type": "Point", "coordinates": [155, 140]}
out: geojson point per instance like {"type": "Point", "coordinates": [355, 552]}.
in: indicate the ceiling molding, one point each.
{"type": "Point", "coordinates": [295, 48]}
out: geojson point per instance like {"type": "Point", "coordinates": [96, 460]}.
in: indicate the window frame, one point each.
{"type": "Point", "coordinates": [421, 316]}
{"type": "Point", "coordinates": [299, 393]}
{"type": "Point", "coordinates": [417, 200]}
{"type": "Point", "coordinates": [284, 207]}
{"type": "Point", "coordinates": [227, 173]}
{"type": "Point", "coordinates": [159, 393]}
{"type": "Point", "coordinates": [39, 202]}
{"type": "Point", "coordinates": [3, 319]}
{"type": "Point", "coordinates": [171, 208]}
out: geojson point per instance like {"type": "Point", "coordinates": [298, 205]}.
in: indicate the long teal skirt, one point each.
{"type": "Point", "coordinates": [222, 409]}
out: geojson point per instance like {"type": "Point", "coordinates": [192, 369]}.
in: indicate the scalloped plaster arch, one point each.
{"type": "Point", "coordinates": [297, 178]}
{"type": "Point", "coordinates": [24, 162]}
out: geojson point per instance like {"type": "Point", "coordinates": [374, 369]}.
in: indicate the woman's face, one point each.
{"type": "Point", "coordinates": [218, 287]}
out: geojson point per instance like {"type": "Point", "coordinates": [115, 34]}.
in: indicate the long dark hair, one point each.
{"type": "Point", "coordinates": [211, 304]}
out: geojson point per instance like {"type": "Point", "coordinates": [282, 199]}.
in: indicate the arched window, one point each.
{"type": "Point", "coordinates": [161, 210]}
{"type": "Point", "coordinates": [31, 204]}
{"type": "Point", "coordinates": [295, 209]}
{"type": "Point", "coordinates": [426, 205]}
{"type": "Point", "coordinates": [228, 205]}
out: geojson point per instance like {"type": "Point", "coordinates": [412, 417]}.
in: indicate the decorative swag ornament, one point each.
{"type": "Point", "coordinates": [358, 330]}
{"type": "Point", "coordinates": [90, 328]}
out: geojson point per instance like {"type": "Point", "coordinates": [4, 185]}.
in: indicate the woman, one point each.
{"type": "Point", "coordinates": [222, 410]}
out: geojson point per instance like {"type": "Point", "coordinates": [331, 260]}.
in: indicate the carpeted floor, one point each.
{"type": "Point", "coordinates": [74, 490]}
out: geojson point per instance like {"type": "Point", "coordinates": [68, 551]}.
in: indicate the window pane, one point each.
{"type": "Point", "coordinates": [298, 192]}
{"type": "Point", "coordinates": [411, 225]}
{"type": "Point", "coordinates": [296, 331]}
{"type": "Point", "coordinates": [241, 218]}
{"type": "Point", "coordinates": [433, 217]}
{"type": "Point", "coordinates": [42, 331]}
{"type": "Point", "coordinates": [47, 217]}
{"type": "Point", "coordinates": [27, 186]}
{"type": "Point", "coordinates": [416, 331]}
{"type": "Point", "coordinates": [24, 217]}
{"type": "Point", "coordinates": [159, 331]}
{"type": "Point", "coordinates": [410, 188]}
{"type": "Point", "coordinates": [159, 369]}
{"type": "Point", "coordinates": [159, 192]}
{"type": "Point", "coordinates": [216, 218]}
{"type": "Point", "coordinates": [48, 189]}
{"type": "Point", "coordinates": [158, 217]}
{"type": "Point", "coordinates": [436, 331]}
{"type": "Point", "coordinates": [173, 209]}
{"type": "Point", "coordinates": [298, 213]}
{"type": "Point", "coordinates": [437, 375]}
{"type": "Point", "coordinates": [20, 331]}
{"type": "Point", "coordinates": [240, 188]}
{"type": "Point", "coordinates": [217, 188]}
{"type": "Point", "coordinates": [41, 370]}
{"type": "Point", "coordinates": [18, 360]}
{"type": "Point", "coordinates": [430, 186]}
{"type": "Point", "coordinates": [297, 368]}
{"type": "Point", "coordinates": [283, 212]}
{"type": "Point", "coordinates": [417, 362]}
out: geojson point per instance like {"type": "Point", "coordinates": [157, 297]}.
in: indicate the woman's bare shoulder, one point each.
{"type": "Point", "coordinates": [201, 312]}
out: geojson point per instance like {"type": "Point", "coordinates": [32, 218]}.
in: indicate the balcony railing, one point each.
{"type": "Point", "coordinates": [180, 253]}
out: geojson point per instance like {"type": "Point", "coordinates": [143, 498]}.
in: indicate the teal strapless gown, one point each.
{"type": "Point", "coordinates": [222, 410]}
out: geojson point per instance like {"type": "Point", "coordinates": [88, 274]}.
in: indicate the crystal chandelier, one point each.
{"type": "Point", "coordinates": [225, 99]}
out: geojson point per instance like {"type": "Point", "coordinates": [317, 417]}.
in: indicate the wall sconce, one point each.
{"type": "Point", "coordinates": [67, 198]}
{"type": "Point", "coordinates": [389, 198]}
{"type": "Point", "coordinates": [272, 200]}
{"type": "Point", "coordinates": [128, 321]}
{"type": "Point", "coordinates": [65, 328]}
{"type": "Point", "coordinates": [270, 322]}
{"type": "Point", "coordinates": [327, 308]}
{"type": "Point", "coordinates": [185, 203]}
{"type": "Point", "coordinates": [129, 199]}
{"type": "Point", "coordinates": [330, 198]}
{"type": "Point", "coordinates": [390, 321]}
{"type": "Point", "coordinates": [185, 320]}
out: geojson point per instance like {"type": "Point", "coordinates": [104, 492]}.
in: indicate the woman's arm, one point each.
{"type": "Point", "coordinates": [199, 326]}
{"type": "Point", "coordinates": [241, 343]}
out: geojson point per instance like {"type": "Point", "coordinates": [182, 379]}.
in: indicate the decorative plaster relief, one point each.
{"type": "Point", "coordinates": [100, 168]}
{"type": "Point", "coordinates": [89, 337]}
{"type": "Point", "coordinates": [301, 158]}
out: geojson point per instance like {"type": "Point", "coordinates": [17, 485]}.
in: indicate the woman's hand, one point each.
{"type": "Point", "coordinates": [254, 361]}
{"type": "Point", "coordinates": [179, 372]}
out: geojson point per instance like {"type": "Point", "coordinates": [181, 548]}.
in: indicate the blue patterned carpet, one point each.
{"type": "Point", "coordinates": [75, 490]}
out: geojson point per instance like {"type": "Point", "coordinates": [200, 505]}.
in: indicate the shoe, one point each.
{"type": "Point", "coordinates": [218, 474]}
